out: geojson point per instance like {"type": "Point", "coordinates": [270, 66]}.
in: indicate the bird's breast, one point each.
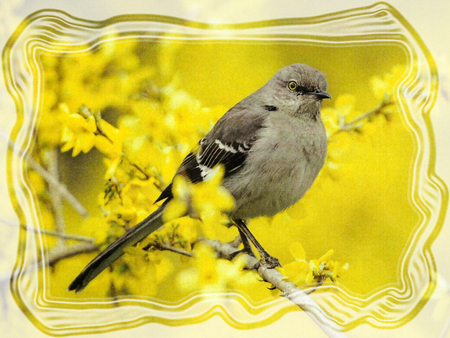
{"type": "Point", "coordinates": [282, 165]}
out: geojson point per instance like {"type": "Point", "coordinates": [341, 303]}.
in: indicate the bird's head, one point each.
{"type": "Point", "coordinates": [297, 89]}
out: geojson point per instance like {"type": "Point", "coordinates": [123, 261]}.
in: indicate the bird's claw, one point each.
{"type": "Point", "coordinates": [268, 262]}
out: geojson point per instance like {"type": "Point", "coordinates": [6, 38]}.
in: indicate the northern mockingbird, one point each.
{"type": "Point", "coordinates": [272, 145]}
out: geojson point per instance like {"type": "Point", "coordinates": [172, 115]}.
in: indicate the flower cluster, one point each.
{"type": "Point", "coordinates": [345, 124]}
{"type": "Point", "coordinates": [303, 272]}
{"type": "Point", "coordinates": [215, 275]}
{"type": "Point", "coordinates": [207, 200]}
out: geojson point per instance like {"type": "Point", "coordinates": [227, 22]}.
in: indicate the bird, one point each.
{"type": "Point", "coordinates": [272, 145]}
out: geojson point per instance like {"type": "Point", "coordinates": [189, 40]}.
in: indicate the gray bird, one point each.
{"type": "Point", "coordinates": [272, 145]}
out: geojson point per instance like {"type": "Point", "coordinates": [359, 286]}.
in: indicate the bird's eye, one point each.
{"type": "Point", "coordinates": [292, 85]}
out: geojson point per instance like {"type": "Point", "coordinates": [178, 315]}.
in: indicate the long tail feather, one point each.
{"type": "Point", "coordinates": [115, 250]}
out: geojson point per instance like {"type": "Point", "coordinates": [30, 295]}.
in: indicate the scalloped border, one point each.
{"type": "Point", "coordinates": [428, 192]}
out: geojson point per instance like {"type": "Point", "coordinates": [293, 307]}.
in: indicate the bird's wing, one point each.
{"type": "Point", "coordinates": [227, 144]}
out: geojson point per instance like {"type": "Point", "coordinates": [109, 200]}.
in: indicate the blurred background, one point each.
{"type": "Point", "coordinates": [345, 68]}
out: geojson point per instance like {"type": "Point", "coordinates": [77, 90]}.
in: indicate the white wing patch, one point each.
{"type": "Point", "coordinates": [207, 172]}
{"type": "Point", "coordinates": [225, 147]}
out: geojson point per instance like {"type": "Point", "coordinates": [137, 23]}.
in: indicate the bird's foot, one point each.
{"type": "Point", "coordinates": [268, 261]}
{"type": "Point", "coordinates": [247, 249]}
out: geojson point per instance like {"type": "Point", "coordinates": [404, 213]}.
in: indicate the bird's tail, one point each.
{"type": "Point", "coordinates": [115, 250]}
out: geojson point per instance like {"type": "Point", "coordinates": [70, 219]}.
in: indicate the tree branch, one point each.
{"type": "Point", "coordinates": [67, 251]}
{"type": "Point", "coordinates": [61, 235]}
{"type": "Point", "coordinates": [55, 193]}
{"type": "Point", "coordinates": [79, 238]}
{"type": "Point", "coordinates": [288, 289]}
{"type": "Point", "coordinates": [354, 124]}
{"type": "Point", "coordinates": [51, 180]}
{"type": "Point", "coordinates": [224, 251]}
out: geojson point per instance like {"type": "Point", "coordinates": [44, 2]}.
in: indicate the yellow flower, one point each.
{"type": "Point", "coordinates": [383, 88]}
{"type": "Point", "coordinates": [120, 213]}
{"type": "Point", "coordinates": [212, 274]}
{"type": "Point", "coordinates": [37, 182]}
{"type": "Point", "coordinates": [303, 272]}
{"type": "Point", "coordinates": [50, 129]}
{"type": "Point", "coordinates": [325, 257]}
{"type": "Point", "coordinates": [179, 205]}
{"type": "Point", "coordinates": [210, 200]}
{"type": "Point", "coordinates": [188, 229]}
{"type": "Point", "coordinates": [297, 251]}
{"type": "Point", "coordinates": [324, 268]}
{"type": "Point", "coordinates": [206, 265]}
{"type": "Point", "coordinates": [150, 266]}
{"type": "Point", "coordinates": [206, 200]}
{"type": "Point", "coordinates": [298, 270]}
{"type": "Point", "coordinates": [78, 131]}
{"type": "Point", "coordinates": [96, 227]}
{"type": "Point", "coordinates": [140, 194]}
{"type": "Point", "coordinates": [379, 87]}
{"type": "Point", "coordinates": [112, 166]}
{"type": "Point", "coordinates": [110, 143]}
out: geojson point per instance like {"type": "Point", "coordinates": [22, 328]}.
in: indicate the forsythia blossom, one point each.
{"type": "Point", "coordinates": [78, 132]}
{"type": "Point", "coordinates": [206, 200]}
{"type": "Point", "coordinates": [303, 272]}
{"type": "Point", "coordinates": [213, 274]}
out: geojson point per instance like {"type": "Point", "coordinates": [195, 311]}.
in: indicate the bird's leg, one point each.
{"type": "Point", "coordinates": [247, 247]}
{"type": "Point", "coordinates": [266, 259]}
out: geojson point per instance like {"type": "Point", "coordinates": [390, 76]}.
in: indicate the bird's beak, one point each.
{"type": "Point", "coordinates": [320, 94]}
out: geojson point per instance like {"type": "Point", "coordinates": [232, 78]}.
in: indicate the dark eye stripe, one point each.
{"type": "Point", "coordinates": [294, 86]}
{"type": "Point", "coordinates": [302, 89]}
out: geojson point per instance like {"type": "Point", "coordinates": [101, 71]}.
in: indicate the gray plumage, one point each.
{"type": "Point", "coordinates": [272, 145]}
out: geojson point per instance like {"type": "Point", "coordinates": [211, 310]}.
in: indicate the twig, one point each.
{"type": "Point", "coordinates": [72, 200]}
{"type": "Point", "coordinates": [67, 251]}
{"type": "Point", "coordinates": [59, 253]}
{"type": "Point", "coordinates": [288, 289]}
{"type": "Point", "coordinates": [79, 238]}
{"type": "Point", "coordinates": [173, 249]}
{"type": "Point", "coordinates": [139, 169]}
{"type": "Point", "coordinates": [55, 194]}
{"type": "Point", "coordinates": [62, 235]}
{"type": "Point", "coordinates": [353, 124]}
